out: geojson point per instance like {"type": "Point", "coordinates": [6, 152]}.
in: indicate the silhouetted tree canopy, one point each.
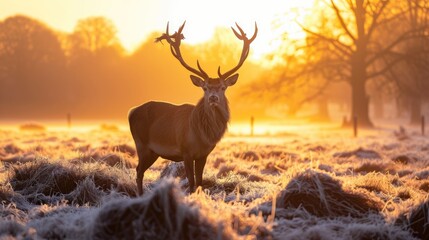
{"type": "Point", "coordinates": [32, 63]}
{"type": "Point", "coordinates": [93, 35]}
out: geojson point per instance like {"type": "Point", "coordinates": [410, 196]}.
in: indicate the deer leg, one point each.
{"type": "Point", "coordinates": [199, 168]}
{"type": "Point", "coordinates": [189, 169]}
{"type": "Point", "coordinates": [146, 159]}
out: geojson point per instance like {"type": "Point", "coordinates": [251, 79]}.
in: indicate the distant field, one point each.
{"type": "Point", "coordinates": [59, 184]}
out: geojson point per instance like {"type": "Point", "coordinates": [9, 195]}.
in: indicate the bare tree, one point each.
{"type": "Point", "coordinates": [356, 45]}
{"type": "Point", "coordinates": [412, 76]}
{"type": "Point", "coordinates": [307, 74]}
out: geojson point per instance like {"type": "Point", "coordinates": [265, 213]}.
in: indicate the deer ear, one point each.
{"type": "Point", "coordinates": [197, 81]}
{"type": "Point", "coordinates": [231, 80]}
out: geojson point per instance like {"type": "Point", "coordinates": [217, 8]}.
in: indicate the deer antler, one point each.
{"type": "Point", "coordinates": [174, 40]}
{"type": "Point", "coordinates": [244, 53]}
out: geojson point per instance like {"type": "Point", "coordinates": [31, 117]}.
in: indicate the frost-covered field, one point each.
{"type": "Point", "coordinates": [308, 185]}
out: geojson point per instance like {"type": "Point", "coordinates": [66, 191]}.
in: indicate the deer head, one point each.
{"type": "Point", "coordinates": [214, 88]}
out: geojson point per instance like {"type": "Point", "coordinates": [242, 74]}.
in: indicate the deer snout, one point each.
{"type": "Point", "coordinates": [213, 99]}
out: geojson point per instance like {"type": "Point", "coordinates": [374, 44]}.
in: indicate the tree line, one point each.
{"type": "Point", "coordinates": [357, 53]}
{"type": "Point", "coordinates": [46, 74]}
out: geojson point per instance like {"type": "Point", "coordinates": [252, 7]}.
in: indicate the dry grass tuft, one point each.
{"type": "Point", "coordinates": [124, 148]}
{"type": "Point", "coordinates": [273, 168]}
{"type": "Point", "coordinates": [326, 168]}
{"type": "Point", "coordinates": [11, 149]}
{"type": "Point", "coordinates": [316, 148]}
{"type": "Point", "coordinates": [9, 197]}
{"type": "Point", "coordinates": [11, 229]}
{"type": "Point", "coordinates": [424, 186]}
{"type": "Point", "coordinates": [323, 196]}
{"type": "Point", "coordinates": [368, 167]}
{"type": "Point", "coordinates": [174, 169]}
{"type": "Point", "coordinates": [42, 181]}
{"type": "Point", "coordinates": [418, 220]}
{"type": "Point", "coordinates": [113, 160]}
{"type": "Point", "coordinates": [422, 175]}
{"type": "Point", "coordinates": [359, 153]}
{"type": "Point", "coordinates": [11, 213]}
{"type": "Point", "coordinates": [6, 195]}
{"type": "Point", "coordinates": [371, 227]}
{"type": "Point", "coordinates": [224, 170]}
{"type": "Point", "coordinates": [218, 162]}
{"type": "Point", "coordinates": [108, 155]}
{"type": "Point", "coordinates": [162, 214]}
{"type": "Point", "coordinates": [43, 177]}
{"type": "Point", "coordinates": [255, 178]}
{"type": "Point", "coordinates": [404, 159]}
{"type": "Point", "coordinates": [248, 155]}
{"type": "Point", "coordinates": [86, 192]}
{"type": "Point", "coordinates": [376, 182]}
{"type": "Point", "coordinates": [404, 172]}
{"type": "Point", "coordinates": [110, 178]}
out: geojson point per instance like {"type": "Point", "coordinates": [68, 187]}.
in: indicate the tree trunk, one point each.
{"type": "Point", "coordinates": [360, 98]}
{"type": "Point", "coordinates": [360, 105]}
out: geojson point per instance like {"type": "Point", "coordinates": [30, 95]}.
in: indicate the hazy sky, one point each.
{"type": "Point", "coordinates": [135, 19]}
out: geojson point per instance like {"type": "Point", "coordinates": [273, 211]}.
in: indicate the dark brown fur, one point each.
{"type": "Point", "coordinates": [193, 130]}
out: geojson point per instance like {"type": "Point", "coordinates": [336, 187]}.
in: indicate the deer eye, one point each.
{"type": "Point", "coordinates": [223, 88]}
{"type": "Point", "coordinates": [205, 89]}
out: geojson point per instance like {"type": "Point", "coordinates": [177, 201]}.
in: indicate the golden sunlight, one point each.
{"type": "Point", "coordinates": [136, 20]}
{"type": "Point", "coordinates": [206, 133]}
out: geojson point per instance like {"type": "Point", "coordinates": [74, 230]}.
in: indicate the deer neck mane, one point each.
{"type": "Point", "coordinates": [209, 123]}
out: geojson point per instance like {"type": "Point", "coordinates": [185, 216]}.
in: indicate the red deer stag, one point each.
{"type": "Point", "coordinates": [185, 133]}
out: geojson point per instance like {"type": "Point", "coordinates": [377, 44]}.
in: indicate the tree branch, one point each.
{"type": "Point", "coordinates": [341, 46]}
{"type": "Point", "coordinates": [405, 36]}
{"type": "Point", "coordinates": [341, 19]}
{"type": "Point", "coordinates": [389, 66]}
{"type": "Point", "coordinates": [375, 17]}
